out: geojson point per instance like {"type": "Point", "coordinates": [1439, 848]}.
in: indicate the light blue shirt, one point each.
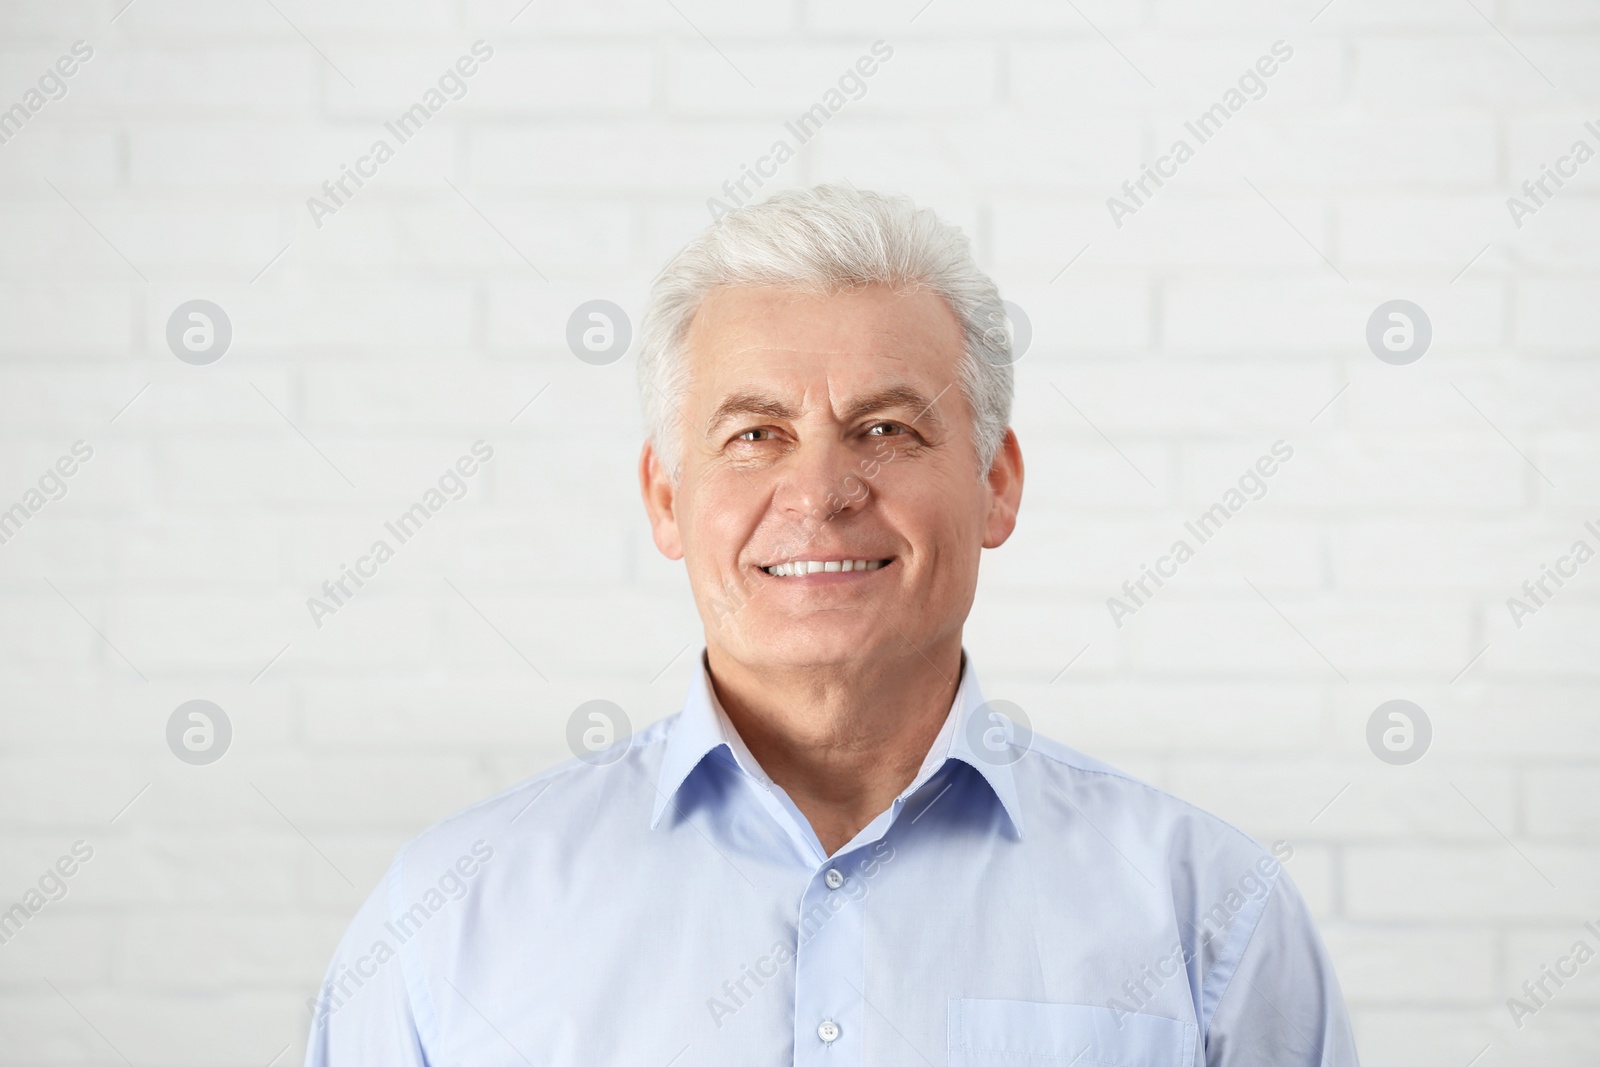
{"type": "Point", "coordinates": [1019, 904]}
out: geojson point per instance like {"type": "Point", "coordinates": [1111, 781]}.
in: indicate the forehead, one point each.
{"type": "Point", "coordinates": [747, 334]}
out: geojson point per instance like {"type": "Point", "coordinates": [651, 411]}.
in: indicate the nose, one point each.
{"type": "Point", "coordinates": [820, 482]}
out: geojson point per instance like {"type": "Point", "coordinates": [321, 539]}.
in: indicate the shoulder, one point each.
{"type": "Point", "coordinates": [1069, 787]}
{"type": "Point", "coordinates": [1212, 882]}
{"type": "Point", "coordinates": [539, 812]}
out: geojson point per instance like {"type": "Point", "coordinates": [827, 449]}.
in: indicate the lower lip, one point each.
{"type": "Point", "coordinates": [826, 577]}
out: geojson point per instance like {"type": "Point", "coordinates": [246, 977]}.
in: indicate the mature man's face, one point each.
{"type": "Point", "coordinates": [829, 429]}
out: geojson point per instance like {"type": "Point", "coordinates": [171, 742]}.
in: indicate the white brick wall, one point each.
{"type": "Point", "coordinates": [406, 327]}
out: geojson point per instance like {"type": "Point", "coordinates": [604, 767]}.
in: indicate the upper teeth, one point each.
{"type": "Point", "coordinates": [812, 566]}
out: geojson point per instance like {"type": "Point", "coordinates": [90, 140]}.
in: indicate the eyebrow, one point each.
{"type": "Point", "coordinates": [749, 404]}
{"type": "Point", "coordinates": [898, 396]}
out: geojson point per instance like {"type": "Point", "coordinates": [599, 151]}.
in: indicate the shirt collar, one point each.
{"type": "Point", "coordinates": [703, 728]}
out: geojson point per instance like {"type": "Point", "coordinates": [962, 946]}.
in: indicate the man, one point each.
{"type": "Point", "coordinates": [838, 852]}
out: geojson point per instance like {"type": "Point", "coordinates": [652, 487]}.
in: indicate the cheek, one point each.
{"type": "Point", "coordinates": [718, 519]}
{"type": "Point", "coordinates": [935, 510]}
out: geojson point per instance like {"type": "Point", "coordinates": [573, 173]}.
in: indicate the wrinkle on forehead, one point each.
{"type": "Point", "coordinates": [774, 353]}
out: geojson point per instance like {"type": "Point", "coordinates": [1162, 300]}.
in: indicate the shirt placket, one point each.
{"type": "Point", "coordinates": [830, 966]}
{"type": "Point", "coordinates": [831, 1007]}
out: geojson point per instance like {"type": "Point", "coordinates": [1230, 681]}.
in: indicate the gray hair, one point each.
{"type": "Point", "coordinates": [824, 239]}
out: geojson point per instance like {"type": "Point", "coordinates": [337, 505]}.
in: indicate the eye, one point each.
{"type": "Point", "coordinates": [751, 435]}
{"type": "Point", "coordinates": [893, 428]}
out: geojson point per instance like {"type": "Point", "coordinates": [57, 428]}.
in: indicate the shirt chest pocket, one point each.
{"type": "Point", "coordinates": [1021, 1033]}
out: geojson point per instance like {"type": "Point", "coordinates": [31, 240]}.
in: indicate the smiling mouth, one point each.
{"type": "Point", "coordinates": [799, 568]}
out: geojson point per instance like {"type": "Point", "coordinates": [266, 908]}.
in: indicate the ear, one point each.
{"type": "Point", "coordinates": [1005, 491]}
{"type": "Point", "coordinates": [655, 485]}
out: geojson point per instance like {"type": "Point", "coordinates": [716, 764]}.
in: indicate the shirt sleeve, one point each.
{"type": "Point", "coordinates": [362, 1014]}
{"type": "Point", "coordinates": [1281, 1005]}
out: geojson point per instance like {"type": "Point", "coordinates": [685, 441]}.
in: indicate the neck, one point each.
{"type": "Point", "coordinates": [843, 740]}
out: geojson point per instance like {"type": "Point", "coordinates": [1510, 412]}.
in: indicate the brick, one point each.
{"type": "Point", "coordinates": [1443, 153]}
{"type": "Point", "coordinates": [1562, 801]}
{"type": "Point", "coordinates": [63, 942]}
{"type": "Point", "coordinates": [1557, 314]}
{"type": "Point", "coordinates": [235, 1029]}
{"type": "Point", "coordinates": [1445, 232]}
{"type": "Point", "coordinates": [1556, 239]}
{"type": "Point", "coordinates": [1548, 13]}
{"type": "Point", "coordinates": [1492, 557]}
{"type": "Point", "coordinates": [1354, 799]}
{"type": "Point", "coordinates": [517, 79]}
{"type": "Point", "coordinates": [76, 157]}
{"type": "Point", "coordinates": [1462, 72]}
{"type": "Point", "coordinates": [1531, 404]}
{"type": "Point", "coordinates": [347, 317]}
{"type": "Point", "coordinates": [1457, 882]}
{"type": "Point", "coordinates": [1530, 951]}
{"type": "Point", "coordinates": [955, 77]}
{"type": "Point", "coordinates": [238, 82]}
{"type": "Point", "coordinates": [566, 155]}
{"type": "Point", "coordinates": [1543, 717]}
{"type": "Point", "coordinates": [1092, 150]}
{"type": "Point", "coordinates": [1469, 470]}
{"type": "Point", "coordinates": [1042, 235]}
{"type": "Point", "coordinates": [1318, 313]}
{"type": "Point", "coordinates": [286, 157]}
{"type": "Point", "coordinates": [716, 18]}
{"type": "Point", "coordinates": [223, 949]}
{"type": "Point", "coordinates": [1077, 318]}
{"type": "Point", "coordinates": [50, 20]}
{"type": "Point", "coordinates": [1422, 1035]}
{"type": "Point", "coordinates": [530, 317]}
{"type": "Point", "coordinates": [89, 321]}
{"type": "Point", "coordinates": [1193, 71]}
{"type": "Point", "coordinates": [1050, 75]}
{"type": "Point", "coordinates": [1035, 638]}
{"type": "Point", "coordinates": [1558, 642]}
{"type": "Point", "coordinates": [1105, 717]}
{"type": "Point", "coordinates": [1244, 635]}
{"type": "Point", "coordinates": [1381, 966]}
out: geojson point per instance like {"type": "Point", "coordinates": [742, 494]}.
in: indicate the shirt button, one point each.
{"type": "Point", "coordinates": [833, 878]}
{"type": "Point", "coordinates": [828, 1031]}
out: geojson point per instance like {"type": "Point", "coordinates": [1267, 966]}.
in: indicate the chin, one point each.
{"type": "Point", "coordinates": [823, 641]}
